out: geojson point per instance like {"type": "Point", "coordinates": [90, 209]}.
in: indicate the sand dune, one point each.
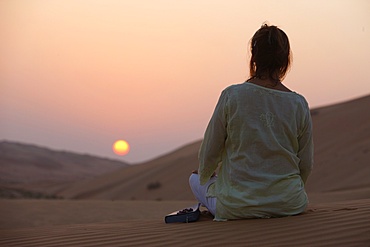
{"type": "Point", "coordinates": [165, 178]}
{"type": "Point", "coordinates": [115, 214]}
{"type": "Point", "coordinates": [26, 169]}
{"type": "Point", "coordinates": [342, 155]}
{"type": "Point", "coordinates": [342, 147]}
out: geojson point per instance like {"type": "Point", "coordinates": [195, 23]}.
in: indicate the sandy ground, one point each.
{"type": "Point", "coordinates": [33, 213]}
{"type": "Point", "coordinates": [141, 223]}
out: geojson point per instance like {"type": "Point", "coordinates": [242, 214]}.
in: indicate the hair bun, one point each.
{"type": "Point", "coordinates": [270, 53]}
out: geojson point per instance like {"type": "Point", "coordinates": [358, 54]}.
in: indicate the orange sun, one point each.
{"type": "Point", "coordinates": [121, 147]}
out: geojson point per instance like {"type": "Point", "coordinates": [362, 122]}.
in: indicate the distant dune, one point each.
{"type": "Point", "coordinates": [30, 170]}
{"type": "Point", "coordinates": [164, 178]}
{"type": "Point", "coordinates": [341, 169]}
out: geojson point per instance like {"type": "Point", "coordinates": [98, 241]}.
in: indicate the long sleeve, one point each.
{"type": "Point", "coordinates": [210, 154]}
{"type": "Point", "coordinates": [305, 153]}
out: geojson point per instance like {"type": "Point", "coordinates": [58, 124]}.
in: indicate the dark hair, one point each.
{"type": "Point", "coordinates": [271, 55]}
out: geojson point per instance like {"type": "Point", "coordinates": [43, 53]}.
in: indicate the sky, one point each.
{"type": "Point", "coordinates": [77, 75]}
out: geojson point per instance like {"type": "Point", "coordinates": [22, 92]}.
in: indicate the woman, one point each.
{"type": "Point", "coordinates": [260, 139]}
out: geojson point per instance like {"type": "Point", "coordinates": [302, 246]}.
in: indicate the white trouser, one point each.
{"type": "Point", "coordinates": [200, 192]}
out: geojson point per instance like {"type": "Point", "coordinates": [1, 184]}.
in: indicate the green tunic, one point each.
{"type": "Point", "coordinates": [261, 139]}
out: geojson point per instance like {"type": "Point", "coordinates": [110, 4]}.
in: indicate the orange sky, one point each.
{"type": "Point", "coordinates": [78, 75]}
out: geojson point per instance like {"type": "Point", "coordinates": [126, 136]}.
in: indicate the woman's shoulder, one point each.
{"type": "Point", "coordinates": [301, 99]}
{"type": "Point", "coordinates": [234, 88]}
{"type": "Point", "coordinates": [252, 90]}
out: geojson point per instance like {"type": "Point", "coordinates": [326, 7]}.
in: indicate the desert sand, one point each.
{"type": "Point", "coordinates": [127, 207]}
{"type": "Point", "coordinates": [140, 223]}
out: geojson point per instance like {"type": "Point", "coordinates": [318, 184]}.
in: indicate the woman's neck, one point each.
{"type": "Point", "coordinates": [269, 83]}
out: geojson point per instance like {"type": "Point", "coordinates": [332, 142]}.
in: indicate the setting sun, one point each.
{"type": "Point", "coordinates": [121, 147]}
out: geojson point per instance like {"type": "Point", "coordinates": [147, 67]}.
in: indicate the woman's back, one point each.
{"type": "Point", "coordinates": [260, 175]}
{"type": "Point", "coordinates": [260, 167]}
{"type": "Point", "coordinates": [260, 137]}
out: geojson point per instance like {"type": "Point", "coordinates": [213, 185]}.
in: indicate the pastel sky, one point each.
{"type": "Point", "coordinates": [77, 75]}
